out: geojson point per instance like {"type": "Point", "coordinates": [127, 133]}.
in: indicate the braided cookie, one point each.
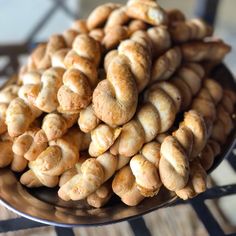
{"type": "Point", "coordinates": [81, 77]}
{"type": "Point", "coordinates": [26, 146]}
{"type": "Point", "coordinates": [6, 96]}
{"type": "Point", "coordinates": [94, 172]}
{"type": "Point", "coordinates": [17, 163]}
{"type": "Point", "coordinates": [54, 126]}
{"type": "Point", "coordinates": [119, 27]}
{"type": "Point", "coordinates": [166, 65]}
{"type": "Point", "coordinates": [224, 122]}
{"type": "Point", "coordinates": [197, 182]}
{"type": "Point", "coordinates": [175, 15]}
{"type": "Point", "coordinates": [205, 51]}
{"type": "Point", "coordinates": [188, 80]}
{"type": "Point", "coordinates": [208, 154]}
{"type": "Point", "coordinates": [19, 115]}
{"type": "Point", "coordinates": [114, 30]}
{"type": "Point", "coordinates": [146, 10]}
{"type": "Point", "coordinates": [189, 140]}
{"type": "Point", "coordinates": [61, 155]}
{"type": "Point", "coordinates": [163, 101]}
{"type": "Point", "coordinates": [176, 150]}
{"type": "Point", "coordinates": [128, 73]}
{"type": "Point", "coordinates": [184, 31]}
{"type": "Point", "coordinates": [45, 97]}
{"type": "Point", "coordinates": [206, 101]}
{"type": "Point", "coordinates": [144, 167]}
{"type": "Point", "coordinates": [41, 57]}
{"type": "Point", "coordinates": [160, 40]}
{"type": "Point", "coordinates": [100, 14]}
{"type": "Point", "coordinates": [97, 199]}
{"type": "Point", "coordinates": [88, 121]}
{"type": "Point", "coordinates": [193, 133]}
{"type": "Point", "coordinates": [102, 139]}
{"type": "Point", "coordinates": [124, 185]}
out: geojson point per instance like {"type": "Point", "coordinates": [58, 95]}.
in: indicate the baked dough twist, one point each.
{"type": "Point", "coordinates": [97, 199]}
{"type": "Point", "coordinates": [41, 57]}
{"type": "Point", "coordinates": [128, 73]}
{"type": "Point", "coordinates": [102, 139]}
{"type": "Point", "coordinates": [197, 182]}
{"type": "Point", "coordinates": [124, 185]}
{"type": "Point", "coordinates": [100, 14]}
{"type": "Point", "coordinates": [143, 129]}
{"type": "Point", "coordinates": [146, 10]}
{"type": "Point", "coordinates": [224, 123]}
{"type": "Point", "coordinates": [206, 102]}
{"type": "Point", "coordinates": [6, 96]}
{"type": "Point", "coordinates": [82, 74]}
{"type": "Point", "coordinates": [188, 80]}
{"type": "Point", "coordinates": [166, 65]}
{"type": "Point", "coordinates": [175, 15]}
{"type": "Point", "coordinates": [144, 167]}
{"type": "Point", "coordinates": [19, 115]}
{"type": "Point", "coordinates": [185, 31]}
{"type": "Point", "coordinates": [94, 172]}
{"type": "Point", "coordinates": [61, 155]}
{"type": "Point", "coordinates": [208, 154]}
{"type": "Point", "coordinates": [189, 140]}
{"type": "Point", "coordinates": [176, 151]}
{"type": "Point", "coordinates": [54, 126]}
{"type": "Point", "coordinates": [26, 146]}
{"type": "Point", "coordinates": [205, 51]}
{"type": "Point", "coordinates": [160, 41]}
{"type": "Point", "coordinates": [17, 163]}
{"type": "Point", "coordinates": [51, 81]}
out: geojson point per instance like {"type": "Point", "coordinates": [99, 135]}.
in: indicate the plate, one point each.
{"type": "Point", "coordinates": [43, 204]}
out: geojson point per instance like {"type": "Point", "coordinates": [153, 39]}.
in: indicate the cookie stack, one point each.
{"type": "Point", "coordinates": [121, 103]}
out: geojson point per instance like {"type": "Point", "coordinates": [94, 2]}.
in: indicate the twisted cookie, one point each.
{"type": "Point", "coordinates": [124, 185]}
{"type": "Point", "coordinates": [99, 15]}
{"type": "Point", "coordinates": [224, 123]}
{"type": "Point", "coordinates": [175, 15]}
{"type": "Point", "coordinates": [142, 128]}
{"type": "Point", "coordinates": [19, 115]}
{"type": "Point", "coordinates": [188, 80]}
{"type": "Point", "coordinates": [185, 31]}
{"type": "Point", "coordinates": [61, 155]}
{"type": "Point", "coordinates": [196, 183]}
{"type": "Point", "coordinates": [208, 154]}
{"type": "Point", "coordinates": [42, 56]}
{"type": "Point", "coordinates": [187, 142]}
{"type": "Point", "coordinates": [94, 172]}
{"type": "Point", "coordinates": [46, 96]}
{"type": "Point", "coordinates": [102, 138]}
{"type": "Point", "coordinates": [97, 199]}
{"type": "Point", "coordinates": [54, 126]}
{"type": "Point", "coordinates": [81, 77]}
{"type": "Point", "coordinates": [6, 96]}
{"type": "Point", "coordinates": [26, 146]}
{"type": "Point", "coordinates": [17, 163]}
{"type": "Point", "coordinates": [166, 65]}
{"type": "Point", "coordinates": [147, 11]}
{"type": "Point", "coordinates": [205, 51]}
{"type": "Point", "coordinates": [144, 167]}
{"type": "Point", "coordinates": [128, 73]}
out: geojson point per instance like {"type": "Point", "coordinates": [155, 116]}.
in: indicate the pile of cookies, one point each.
{"type": "Point", "coordinates": [120, 103]}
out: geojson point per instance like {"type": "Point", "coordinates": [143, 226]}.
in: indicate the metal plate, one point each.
{"type": "Point", "coordinates": [43, 204]}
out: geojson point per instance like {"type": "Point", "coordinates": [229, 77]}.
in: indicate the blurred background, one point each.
{"type": "Point", "coordinates": [26, 22]}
